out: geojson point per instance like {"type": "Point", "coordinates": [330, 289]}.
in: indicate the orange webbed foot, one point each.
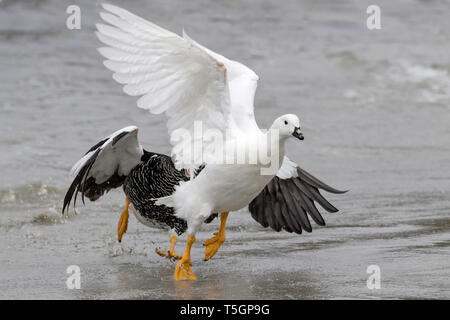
{"type": "Point", "coordinates": [183, 269]}
{"type": "Point", "coordinates": [213, 244]}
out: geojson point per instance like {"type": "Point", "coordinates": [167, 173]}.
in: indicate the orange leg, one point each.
{"type": "Point", "coordinates": [171, 252]}
{"type": "Point", "coordinates": [183, 269]}
{"type": "Point", "coordinates": [213, 244]}
{"type": "Point", "coordinates": [123, 221]}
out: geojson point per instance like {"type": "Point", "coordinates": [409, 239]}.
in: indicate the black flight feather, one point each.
{"type": "Point", "coordinates": [286, 203]}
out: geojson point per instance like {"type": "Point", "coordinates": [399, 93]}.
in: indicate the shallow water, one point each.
{"type": "Point", "coordinates": [374, 107]}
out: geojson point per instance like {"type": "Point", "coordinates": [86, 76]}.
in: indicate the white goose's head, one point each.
{"type": "Point", "coordinates": [288, 125]}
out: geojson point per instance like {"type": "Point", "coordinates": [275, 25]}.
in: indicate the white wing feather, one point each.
{"type": "Point", "coordinates": [178, 77]}
{"type": "Point", "coordinates": [242, 83]}
{"type": "Point", "coordinates": [171, 75]}
{"type": "Point", "coordinates": [115, 156]}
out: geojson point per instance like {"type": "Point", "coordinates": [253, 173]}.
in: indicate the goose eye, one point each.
{"type": "Point", "coordinates": [285, 122]}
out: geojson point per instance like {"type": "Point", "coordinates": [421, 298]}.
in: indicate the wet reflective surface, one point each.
{"type": "Point", "coordinates": [374, 109]}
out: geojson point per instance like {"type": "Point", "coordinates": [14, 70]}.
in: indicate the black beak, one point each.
{"type": "Point", "coordinates": [298, 133]}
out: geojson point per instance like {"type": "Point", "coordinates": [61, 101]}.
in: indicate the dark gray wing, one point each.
{"type": "Point", "coordinates": [105, 166]}
{"type": "Point", "coordinates": [289, 198]}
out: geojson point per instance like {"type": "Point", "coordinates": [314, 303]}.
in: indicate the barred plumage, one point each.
{"type": "Point", "coordinates": [155, 177]}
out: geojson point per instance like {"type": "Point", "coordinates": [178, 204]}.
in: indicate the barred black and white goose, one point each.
{"type": "Point", "coordinates": [119, 160]}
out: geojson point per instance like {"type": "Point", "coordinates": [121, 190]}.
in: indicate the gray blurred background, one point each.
{"type": "Point", "coordinates": [373, 104]}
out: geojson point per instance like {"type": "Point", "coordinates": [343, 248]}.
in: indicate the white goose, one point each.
{"type": "Point", "coordinates": [189, 83]}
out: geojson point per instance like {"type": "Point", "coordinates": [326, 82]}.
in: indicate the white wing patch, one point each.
{"type": "Point", "coordinates": [120, 152]}
{"type": "Point", "coordinates": [288, 169]}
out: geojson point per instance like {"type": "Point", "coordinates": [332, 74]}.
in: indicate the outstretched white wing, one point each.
{"type": "Point", "coordinates": [176, 76]}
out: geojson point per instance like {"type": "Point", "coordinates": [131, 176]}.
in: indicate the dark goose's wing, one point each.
{"type": "Point", "coordinates": [289, 198]}
{"type": "Point", "coordinates": [105, 166]}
